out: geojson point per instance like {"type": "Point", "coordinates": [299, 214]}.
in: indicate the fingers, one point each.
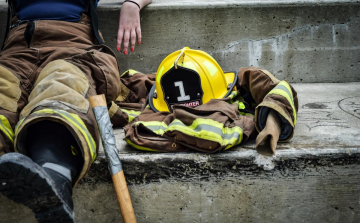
{"type": "Point", "coordinates": [138, 33]}
{"type": "Point", "coordinates": [129, 27]}
{"type": "Point", "coordinates": [126, 41]}
{"type": "Point", "coordinates": [128, 36]}
{"type": "Point", "coordinates": [119, 38]}
{"type": "Point", "coordinates": [133, 39]}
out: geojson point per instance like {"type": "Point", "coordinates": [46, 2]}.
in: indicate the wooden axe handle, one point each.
{"type": "Point", "coordinates": [121, 189]}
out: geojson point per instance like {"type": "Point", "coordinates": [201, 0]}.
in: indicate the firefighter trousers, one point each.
{"type": "Point", "coordinates": [48, 69]}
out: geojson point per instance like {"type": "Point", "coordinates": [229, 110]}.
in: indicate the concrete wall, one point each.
{"type": "Point", "coordinates": [300, 44]}
{"type": "Point", "coordinates": [301, 41]}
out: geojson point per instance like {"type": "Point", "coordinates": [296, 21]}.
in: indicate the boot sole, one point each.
{"type": "Point", "coordinates": [25, 182]}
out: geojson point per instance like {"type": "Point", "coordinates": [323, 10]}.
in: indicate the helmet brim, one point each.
{"type": "Point", "coordinates": [231, 79]}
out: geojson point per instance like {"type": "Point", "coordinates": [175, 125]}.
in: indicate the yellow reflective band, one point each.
{"type": "Point", "coordinates": [131, 72]}
{"type": "Point", "coordinates": [190, 65]}
{"type": "Point", "coordinates": [287, 86]}
{"type": "Point", "coordinates": [241, 105]}
{"type": "Point", "coordinates": [18, 125]}
{"type": "Point", "coordinates": [76, 120]}
{"type": "Point", "coordinates": [155, 126]}
{"type": "Point", "coordinates": [211, 68]}
{"type": "Point", "coordinates": [131, 113]}
{"type": "Point", "coordinates": [78, 123]}
{"type": "Point", "coordinates": [246, 114]}
{"type": "Point", "coordinates": [5, 127]}
{"type": "Point", "coordinates": [233, 94]}
{"type": "Point", "coordinates": [74, 151]}
{"type": "Point", "coordinates": [209, 129]}
{"type": "Point", "coordinates": [283, 90]}
{"type": "Point", "coordinates": [140, 147]}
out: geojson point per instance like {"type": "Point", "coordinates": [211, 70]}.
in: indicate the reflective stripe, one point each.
{"type": "Point", "coordinates": [210, 130]}
{"type": "Point", "coordinates": [283, 89]}
{"type": "Point", "coordinates": [74, 151]}
{"type": "Point", "coordinates": [190, 65]}
{"type": "Point", "coordinates": [18, 125]}
{"type": "Point", "coordinates": [210, 67]}
{"type": "Point", "coordinates": [76, 121]}
{"type": "Point", "coordinates": [140, 147]}
{"type": "Point", "coordinates": [241, 105]}
{"type": "Point", "coordinates": [131, 113]}
{"type": "Point", "coordinates": [131, 72]}
{"type": "Point", "coordinates": [60, 169]}
{"type": "Point", "coordinates": [233, 95]}
{"type": "Point", "coordinates": [246, 114]}
{"type": "Point", "coordinates": [207, 129]}
{"type": "Point", "coordinates": [5, 127]}
{"type": "Point", "coordinates": [155, 126]}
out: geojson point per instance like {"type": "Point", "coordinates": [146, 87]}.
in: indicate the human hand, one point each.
{"type": "Point", "coordinates": [129, 27]}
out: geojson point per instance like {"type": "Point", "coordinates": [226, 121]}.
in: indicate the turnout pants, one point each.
{"type": "Point", "coordinates": [48, 69]}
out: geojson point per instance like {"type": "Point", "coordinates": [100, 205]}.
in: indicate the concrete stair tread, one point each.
{"type": "Point", "coordinates": [226, 3]}
{"type": "Point", "coordinates": [328, 123]}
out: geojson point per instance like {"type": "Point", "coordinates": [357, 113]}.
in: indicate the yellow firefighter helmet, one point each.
{"type": "Point", "coordinates": [191, 78]}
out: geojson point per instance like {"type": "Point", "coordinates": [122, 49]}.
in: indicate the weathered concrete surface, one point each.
{"type": "Point", "coordinates": [313, 178]}
{"type": "Point", "coordinates": [301, 41]}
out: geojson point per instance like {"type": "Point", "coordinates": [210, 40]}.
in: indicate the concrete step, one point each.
{"type": "Point", "coordinates": [313, 178]}
{"type": "Point", "coordinates": [301, 41]}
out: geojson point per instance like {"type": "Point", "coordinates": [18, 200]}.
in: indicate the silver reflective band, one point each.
{"type": "Point", "coordinates": [282, 87]}
{"type": "Point", "coordinates": [60, 169]}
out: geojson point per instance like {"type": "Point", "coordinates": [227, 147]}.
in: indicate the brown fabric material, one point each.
{"type": "Point", "coordinates": [72, 42]}
{"type": "Point", "coordinates": [252, 87]}
{"type": "Point", "coordinates": [134, 94]}
{"type": "Point", "coordinates": [138, 86]}
{"type": "Point", "coordinates": [228, 115]}
{"type": "Point", "coordinates": [60, 82]}
{"type": "Point", "coordinates": [6, 145]}
{"type": "Point", "coordinates": [267, 139]}
{"type": "Point", "coordinates": [144, 137]}
{"type": "Point", "coordinates": [9, 91]}
{"type": "Point", "coordinates": [255, 82]}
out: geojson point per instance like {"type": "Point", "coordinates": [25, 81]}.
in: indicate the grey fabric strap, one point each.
{"type": "Point", "coordinates": [60, 169]}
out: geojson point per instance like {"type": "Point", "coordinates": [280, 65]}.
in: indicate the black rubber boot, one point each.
{"type": "Point", "coordinates": [46, 192]}
{"type": "Point", "coordinates": [43, 181]}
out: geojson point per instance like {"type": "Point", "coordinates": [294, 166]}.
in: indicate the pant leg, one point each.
{"type": "Point", "coordinates": [68, 71]}
{"type": "Point", "coordinates": [17, 75]}
{"type": "Point", "coordinates": [60, 95]}
{"type": "Point", "coordinates": [10, 93]}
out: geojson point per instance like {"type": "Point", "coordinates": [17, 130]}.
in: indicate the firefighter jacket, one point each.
{"type": "Point", "coordinates": [217, 125]}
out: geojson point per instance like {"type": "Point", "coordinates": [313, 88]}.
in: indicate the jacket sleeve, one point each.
{"type": "Point", "coordinates": [265, 92]}
{"type": "Point", "coordinates": [135, 87]}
